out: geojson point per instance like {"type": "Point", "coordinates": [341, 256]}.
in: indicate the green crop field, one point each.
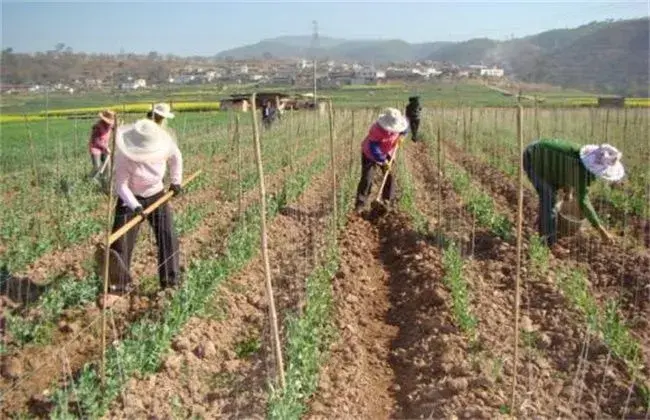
{"type": "Point", "coordinates": [408, 315]}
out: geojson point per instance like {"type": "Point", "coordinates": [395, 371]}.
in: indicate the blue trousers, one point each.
{"type": "Point", "coordinates": [546, 226]}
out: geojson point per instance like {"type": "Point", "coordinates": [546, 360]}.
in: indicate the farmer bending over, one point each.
{"type": "Point", "coordinates": [376, 150]}
{"type": "Point", "coordinates": [99, 137]}
{"type": "Point", "coordinates": [144, 148]}
{"type": "Point", "coordinates": [413, 110]}
{"type": "Point", "coordinates": [555, 164]}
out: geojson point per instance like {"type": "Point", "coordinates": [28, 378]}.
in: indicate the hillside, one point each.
{"type": "Point", "coordinates": [609, 56]}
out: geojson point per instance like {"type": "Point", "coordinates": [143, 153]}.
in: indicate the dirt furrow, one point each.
{"type": "Point", "coordinates": [358, 381]}
{"type": "Point", "coordinates": [231, 378]}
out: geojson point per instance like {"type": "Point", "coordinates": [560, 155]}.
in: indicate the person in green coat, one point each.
{"type": "Point", "coordinates": [553, 165]}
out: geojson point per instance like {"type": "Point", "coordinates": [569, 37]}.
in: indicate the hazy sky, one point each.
{"type": "Point", "coordinates": [205, 28]}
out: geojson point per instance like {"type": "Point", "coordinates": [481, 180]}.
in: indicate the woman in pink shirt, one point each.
{"type": "Point", "coordinates": [99, 137]}
{"type": "Point", "coordinates": [376, 151]}
{"type": "Point", "coordinates": [143, 151]}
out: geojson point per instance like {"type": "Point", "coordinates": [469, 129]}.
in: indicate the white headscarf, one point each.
{"type": "Point", "coordinates": [604, 161]}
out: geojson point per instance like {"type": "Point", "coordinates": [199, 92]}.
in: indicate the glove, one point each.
{"type": "Point", "coordinates": [176, 189]}
{"type": "Point", "coordinates": [138, 211]}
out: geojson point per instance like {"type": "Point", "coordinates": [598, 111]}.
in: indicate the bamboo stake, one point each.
{"type": "Point", "coordinates": [520, 211]}
{"type": "Point", "coordinates": [352, 139]}
{"type": "Point", "coordinates": [32, 150]}
{"type": "Point", "coordinates": [332, 161]}
{"type": "Point", "coordinates": [109, 224]}
{"type": "Point", "coordinates": [265, 253]}
{"type": "Point", "coordinates": [240, 193]}
{"type": "Point", "coordinates": [441, 172]}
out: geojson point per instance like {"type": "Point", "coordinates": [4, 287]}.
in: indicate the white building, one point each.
{"type": "Point", "coordinates": [493, 72]}
{"type": "Point", "coordinates": [134, 84]}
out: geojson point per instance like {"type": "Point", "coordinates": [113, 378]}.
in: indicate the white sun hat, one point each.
{"type": "Point", "coordinates": [144, 141]}
{"type": "Point", "coordinates": [392, 120]}
{"type": "Point", "coordinates": [163, 109]}
{"type": "Point", "coordinates": [604, 161]}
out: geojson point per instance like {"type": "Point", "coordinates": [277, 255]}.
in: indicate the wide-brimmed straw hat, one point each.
{"type": "Point", "coordinates": [604, 161]}
{"type": "Point", "coordinates": [392, 120]}
{"type": "Point", "coordinates": [107, 116]}
{"type": "Point", "coordinates": [163, 109]}
{"type": "Point", "coordinates": [144, 141]}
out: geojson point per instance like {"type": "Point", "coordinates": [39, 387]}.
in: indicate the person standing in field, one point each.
{"type": "Point", "coordinates": [268, 115]}
{"type": "Point", "coordinates": [100, 135]}
{"type": "Point", "coordinates": [553, 164]}
{"type": "Point", "coordinates": [376, 151]}
{"type": "Point", "coordinates": [412, 112]}
{"type": "Point", "coordinates": [143, 151]}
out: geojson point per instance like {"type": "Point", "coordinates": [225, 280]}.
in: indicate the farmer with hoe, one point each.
{"type": "Point", "coordinates": [377, 150]}
{"type": "Point", "coordinates": [99, 138]}
{"type": "Point", "coordinates": [552, 165]}
{"type": "Point", "coordinates": [413, 110]}
{"type": "Point", "coordinates": [143, 150]}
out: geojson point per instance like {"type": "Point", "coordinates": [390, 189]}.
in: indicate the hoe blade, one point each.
{"type": "Point", "coordinates": [118, 272]}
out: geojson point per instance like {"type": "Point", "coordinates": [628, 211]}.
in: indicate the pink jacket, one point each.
{"type": "Point", "coordinates": [379, 143]}
{"type": "Point", "coordinates": [144, 179]}
{"type": "Point", "coordinates": [99, 137]}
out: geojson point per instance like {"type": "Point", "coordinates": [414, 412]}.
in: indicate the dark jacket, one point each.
{"type": "Point", "coordinates": [413, 110]}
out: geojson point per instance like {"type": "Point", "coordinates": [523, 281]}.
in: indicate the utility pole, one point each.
{"type": "Point", "coordinates": [314, 46]}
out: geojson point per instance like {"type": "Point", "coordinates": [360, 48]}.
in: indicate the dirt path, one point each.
{"type": "Point", "coordinates": [231, 378]}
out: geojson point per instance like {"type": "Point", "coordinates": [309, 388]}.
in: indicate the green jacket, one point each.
{"type": "Point", "coordinates": [557, 162]}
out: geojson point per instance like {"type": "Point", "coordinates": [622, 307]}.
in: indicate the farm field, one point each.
{"type": "Point", "coordinates": [409, 315]}
{"type": "Point", "coordinates": [207, 97]}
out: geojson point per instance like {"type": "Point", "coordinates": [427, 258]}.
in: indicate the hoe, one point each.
{"type": "Point", "coordinates": [378, 208]}
{"type": "Point", "coordinates": [118, 272]}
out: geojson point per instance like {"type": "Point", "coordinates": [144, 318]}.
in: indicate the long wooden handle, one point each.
{"type": "Point", "coordinates": [137, 219]}
{"type": "Point", "coordinates": [383, 182]}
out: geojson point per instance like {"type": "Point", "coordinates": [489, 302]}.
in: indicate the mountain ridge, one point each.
{"type": "Point", "coordinates": [609, 55]}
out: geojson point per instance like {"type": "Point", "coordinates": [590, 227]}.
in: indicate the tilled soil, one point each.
{"type": "Point", "coordinates": [613, 272]}
{"type": "Point", "coordinates": [231, 379]}
{"type": "Point", "coordinates": [357, 380]}
{"type": "Point", "coordinates": [77, 340]}
{"type": "Point", "coordinates": [390, 289]}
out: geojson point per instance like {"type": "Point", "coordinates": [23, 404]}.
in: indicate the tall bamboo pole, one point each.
{"type": "Point", "coordinates": [330, 116]}
{"type": "Point", "coordinates": [520, 215]}
{"type": "Point", "coordinates": [240, 192]}
{"type": "Point", "coordinates": [265, 252]}
{"type": "Point", "coordinates": [107, 246]}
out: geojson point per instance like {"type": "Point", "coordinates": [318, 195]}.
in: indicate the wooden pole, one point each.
{"type": "Point", "coordinates": [352, 140]}
{"type": "Point", "coordinates": [33, 151]}
{"type": "Point", "coordinates": [330, 116]}
{"type": "Point", "coordinates": [441, 174]}
{"type": "Point", "coordinates": [240, 193]}
{"type": "Point", "coordinates": [137, 219]}
{"type": "Point", "coordinates": [520, 215]}
{"type": "Point", "coordinates": [265, 253]}
{"type": "Point", "coordinates": [109, 226]}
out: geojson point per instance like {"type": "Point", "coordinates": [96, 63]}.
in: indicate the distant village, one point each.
{"type": "Point", "coordinates": [330, 74]}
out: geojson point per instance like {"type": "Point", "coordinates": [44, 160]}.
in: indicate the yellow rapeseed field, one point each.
{"type": "Point", "coordinates": [593, 101]}
{"type": "Point", "coordinates": [121, 108]}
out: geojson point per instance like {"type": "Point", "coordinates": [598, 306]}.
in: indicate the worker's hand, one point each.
{"type": "Point", "coordinates": [138, 211]}
{"type": "Point", "coordinates": [176, 189]}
